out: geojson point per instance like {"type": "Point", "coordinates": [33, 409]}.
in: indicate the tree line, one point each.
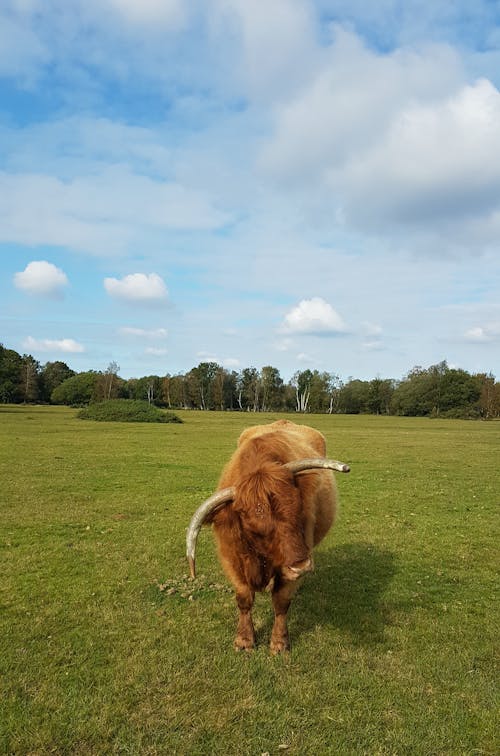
{"type": "Point", "coordinates": [438, 390]}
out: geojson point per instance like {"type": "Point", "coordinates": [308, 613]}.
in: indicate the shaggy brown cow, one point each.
{"type": "Point", "coordinates": [273, 505]}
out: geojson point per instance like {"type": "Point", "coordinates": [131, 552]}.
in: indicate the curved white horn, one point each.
{"type": "Point", "coordinates": [314, 463]}
{"type": "Point", "coordinates": [212, 504]}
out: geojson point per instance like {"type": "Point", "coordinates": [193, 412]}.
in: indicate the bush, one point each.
{"type": "Point", "coordinates": [127, 411]}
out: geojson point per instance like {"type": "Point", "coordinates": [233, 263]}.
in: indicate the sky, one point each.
{"type": "Point", "coordinates": [296, 183]}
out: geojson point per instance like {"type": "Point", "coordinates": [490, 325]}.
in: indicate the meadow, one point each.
{"type": "Point", "coordinates": [108, 648]}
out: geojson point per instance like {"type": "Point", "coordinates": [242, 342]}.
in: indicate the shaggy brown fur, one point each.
{"type": "Point", "coordinates": [268, 532]}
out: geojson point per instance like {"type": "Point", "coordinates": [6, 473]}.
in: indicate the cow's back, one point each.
{"type": "Point", "coordinates": [301, 434]}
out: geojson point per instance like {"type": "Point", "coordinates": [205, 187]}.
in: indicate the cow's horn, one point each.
{"type": "Point", "coordinates": [299, 465]}
{"type": "Point", "coordinates": [215, 502]}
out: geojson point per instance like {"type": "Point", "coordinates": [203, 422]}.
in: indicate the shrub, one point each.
{"type": "Point", "coordinates": [127, 411]}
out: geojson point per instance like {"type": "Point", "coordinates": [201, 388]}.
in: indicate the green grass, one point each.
{"type": "Point", "coordinates": [106, 646]}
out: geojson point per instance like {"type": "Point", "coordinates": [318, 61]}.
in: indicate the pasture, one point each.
{"type": "Point", "coordinates": [107, 647]}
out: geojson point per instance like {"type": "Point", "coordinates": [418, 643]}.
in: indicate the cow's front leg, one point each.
{"type": "Point", "coordinates": [245, 634]}
{"type": "Point", "coordinates": [282, 595]}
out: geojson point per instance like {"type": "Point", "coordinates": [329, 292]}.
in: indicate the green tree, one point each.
{"type": "Point", "coordinates": [10, 376]}
{"type": "Point", "coordinates": [437, 390]}
{"type": "Point", "coordinates": [249, 389]}
{"type": "Point", "coordinates": [76, 391]}
{"type": "Point", "coordinates": [354, 397]}
{"type": "Point", "coordinates": [379, 397]}
{"type": "Point", "coordinates": [272, 388]}
{"type": "Point", "coordinates": [200, 386]}
{"type": "Point", "coordinates": [301, 381]}
{"type": "Point", "coordinates": [150, 388]}
{"type": "Point", "coordinates": [51, 376]}
{"type": "Point", "coordinates": [175, 391]}
{"type": "Point", "coordinates": [489, 396]}
{"type": "Point", "coordinates": [30, 376]}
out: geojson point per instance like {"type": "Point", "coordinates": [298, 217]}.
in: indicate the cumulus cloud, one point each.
{"type": "Point", "coordinates": [382, 142]}
{"type": "Point", "coordinates": [138, 288]}
{"type": "Point", "coordinates": [68, 346]}
{"type": "Point", "coordinates": [313, 316]}
{"type": "Point", "coordinates": [41, 278]}
{"type": "Point", "coordinates": [434, 162]}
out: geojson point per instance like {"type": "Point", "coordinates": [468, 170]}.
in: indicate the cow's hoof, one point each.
{"type": "Point", "coordinates": [280, 646]}
{"type": "Point", "coordinates": [244, 644]}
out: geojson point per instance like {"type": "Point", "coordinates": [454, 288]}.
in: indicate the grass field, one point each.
{"type": "Point", "coordinates": [106, 647]}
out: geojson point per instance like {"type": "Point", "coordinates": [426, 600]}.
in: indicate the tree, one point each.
{"type": "Point", "coordinates": [489, 397]}
{"type": "Point", "coordinates": [150, 388]}
{"type": "Point", "coordinates": [231, 389]}
{"type": "Point", "coordinates": [379, 397]}
{"type": "Point", "coordinates": [76, 391]}
{"type": "Point", "coordinates": [51, 376]}
{"type": "Point", "coordinates": [175, 392]}
{"type": "Point", "coordinates": [436, 390]}
{"type": "Point", "coordinates": [110, 380]}
{"type": "Point", "coordinates": [272, 388]}
{"type": "Point", "coordinates": [334, 387]}
{"type": "Point", "coordinates": [354, 397]}
{"type": "Point", "coordinates": [30, 370]}
{"type": "Point", "coordinates": [301, 381]}
{"type": "Point", "coordinates": [10, 375]}
{"type": "Point", "coordinates": [201, 385]}
{"type": "Point", "coordinates": [249, 389]}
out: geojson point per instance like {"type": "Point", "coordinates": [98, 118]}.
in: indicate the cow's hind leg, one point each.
{"type": "Point", "coordinates": [282, 595]}
{"type": "Point", "coordinates": [245, 634]}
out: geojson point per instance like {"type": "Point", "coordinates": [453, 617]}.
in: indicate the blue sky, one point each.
{"type": "Point", "coordinates": [290, 183]}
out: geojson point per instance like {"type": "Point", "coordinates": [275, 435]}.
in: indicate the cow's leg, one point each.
{"type": "Point", "coordinates": [283, 592]}
{"type": "Point", "coordinates": [245, 634]}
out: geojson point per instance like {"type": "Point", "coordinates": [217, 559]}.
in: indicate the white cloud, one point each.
{"type": "Point", "coordinates": [137, 287]}
{"type": "Point", "coordinates": [313, 316]}
{"type": "Point", "coordinates": [231, 362]}
{"type": "Point", "coordinates": [373, 346]}
{"type": "Point", "coordinates": [275, 43]}
{"type": "Point", "coordinates": [305, 359]}
{"type": "Point", "coordinates": [168, 13]}
{"type": "Point", "coordinates": [483, 334]}
{"type": "Point", "coordinates": [41, 278]}
{"type": "Point", "coordinates": [433, 163]}
{"type": "Point", "coordinates": [156, 351]}
{"type": "Point", "coordinates": [98, 213]}
{"type": "Point", "coordinates": [383, 142]}
{"type": "Point", "coordinates": [69, 346]}
{"type": "Point", "coordinates": [371, 329]}
{"type": "Point", "coordinates": [144, 333]}
{"type": "Point", "coordinates": [283, 345]}
{"type": "Point", "coordinates": [352, 99]}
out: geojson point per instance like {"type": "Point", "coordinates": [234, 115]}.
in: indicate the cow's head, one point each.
{"type": "Point", "coordinates": [269, 507]}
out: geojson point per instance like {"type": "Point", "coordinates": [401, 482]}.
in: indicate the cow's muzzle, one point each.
{"type": "Point", "coordinates": [295, 571]}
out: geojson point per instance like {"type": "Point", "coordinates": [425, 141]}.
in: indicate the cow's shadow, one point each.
{"type": "Point", "coordinates": [346, 590]}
